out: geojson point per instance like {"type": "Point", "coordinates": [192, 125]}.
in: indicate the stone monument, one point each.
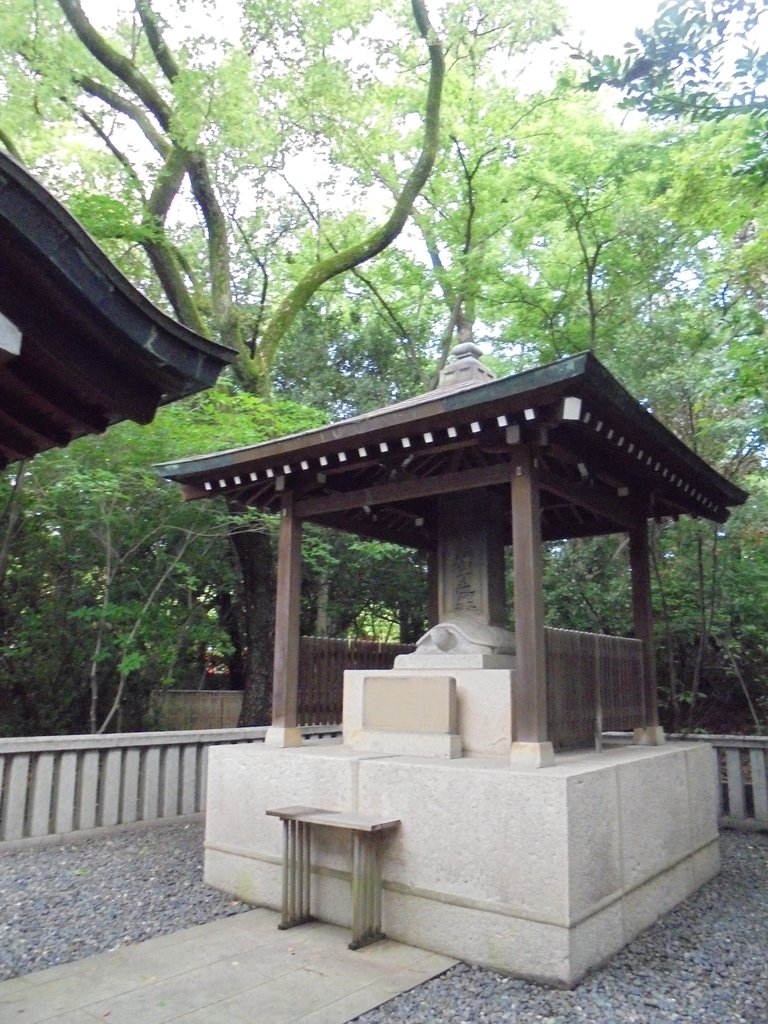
{"type": "Point", "coordinates": [543, 868]}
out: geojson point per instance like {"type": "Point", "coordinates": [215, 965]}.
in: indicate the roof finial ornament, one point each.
{"type": "Point", "coordinates": [465, 367]}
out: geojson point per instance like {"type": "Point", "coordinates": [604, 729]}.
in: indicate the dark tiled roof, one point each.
{"type": "Point", "coordinates": [83, 348]}
{"type": "Point", "coordinates": [603, 458]}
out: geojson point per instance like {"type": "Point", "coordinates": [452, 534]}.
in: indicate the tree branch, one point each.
{"type": "Point", "coordinates": [158, 248]}
{"type": "Point", "coordinates": [394, 319]}
{"type": "Point", "coordinates": [135, 113]}
{"type": "Point", "coordinates": [116, 62]}
{"type": "Point", "coordinates": [376, 242]}
{"type": "Point", "coordinates": [163, 56]}
{"type": "Point", "coordinates": [121, 158]}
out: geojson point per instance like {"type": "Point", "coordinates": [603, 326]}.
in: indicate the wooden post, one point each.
{"type": "Point", "coordinates": [530, 743]}
{"type": "Point", "coordinates": [649, 732]}
{"type": "Point", "coordinates": [284, 731]}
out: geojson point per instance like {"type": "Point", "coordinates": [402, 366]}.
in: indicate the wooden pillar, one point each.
{"type": "Point", "coordinates": [284, 731]}
{"type": "Point", "coordinates": [530, 743]}
{"type": "Point", "coordinates": [649, 731]}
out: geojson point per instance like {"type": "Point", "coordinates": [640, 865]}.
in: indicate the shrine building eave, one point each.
{"type": "Point", "coordinates": [603, 461]}
{"type": "Point", "coordinates": [80, 347]}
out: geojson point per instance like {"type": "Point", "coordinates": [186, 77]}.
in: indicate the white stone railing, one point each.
{"type": "Point", "coordinates": [742, 783]}
{"type": "Point", "coordinates": [54, 785]}
{"type": "Point", "coordinates": [58, 785]}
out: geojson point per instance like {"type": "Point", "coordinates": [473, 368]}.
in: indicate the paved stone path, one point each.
{"type": "Point", "coordinates": [237, 969]}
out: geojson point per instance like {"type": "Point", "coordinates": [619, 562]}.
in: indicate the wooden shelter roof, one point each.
{"type": "Point", "coordinates": [604, 461]}
{"type": "Point", "coordinates": [80, 347]}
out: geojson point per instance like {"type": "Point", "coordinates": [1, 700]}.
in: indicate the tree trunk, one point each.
{"type": "Point", "coordinates": [257, 567]}
{"type": "Point", "coordinates": [231, 622]}
{"type": "Point", "coordinates": [321, 616]}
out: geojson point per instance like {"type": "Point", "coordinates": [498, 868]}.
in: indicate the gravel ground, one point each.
{"type": "Point", "coordinates": [706, 962]}
{"type": "Point", "coordinates": [61, 903]}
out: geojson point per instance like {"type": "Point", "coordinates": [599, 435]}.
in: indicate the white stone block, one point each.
{"type": "Point", "coordinates": [654, 813]}
{"type": "Point", "coordinates": [539, 951]}
{"type": "Point", "coordinates": [543, 873]}
{"type": "Point", "coordinates": [529, 756]}
{"type": "Point", "coordinates": [645, 904]}
{"type": "Point", "coordinates": [484, 699]}
{"type": "Point", "coordinates": [706, 863]}
{"type": "Point", "coordinates": [594, 853]}
{"type": "Point", "coordinates": [700, 760]}
{"type": "Point", "coordinates": [593, 942]}
{"type": "Point", "coordinates": [449, 662]}
{"type": "Point", "coordinates": [414, 744]}
{"type": "Point", "coordinates": [403, 703]}
{"type": "Point", "coordinates": [245, 779]}
{"type": "Point", "coordinates": [464, 832]}
{"type": "Point", "coordinates": [277, 736]}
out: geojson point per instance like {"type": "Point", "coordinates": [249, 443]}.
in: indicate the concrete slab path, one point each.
{"type": "Point", "coordinates": [235, 969]}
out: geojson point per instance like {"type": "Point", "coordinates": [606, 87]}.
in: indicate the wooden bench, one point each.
{"type": "Point", "coordinates": [366, 833]}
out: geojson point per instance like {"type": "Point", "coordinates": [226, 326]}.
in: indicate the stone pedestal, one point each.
{"type": "Point", "coordinates": [483, 709]}
{"type": "Point", "coordinates": [544, 873]}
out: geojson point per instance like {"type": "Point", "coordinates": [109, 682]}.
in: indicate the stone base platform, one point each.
{"type": "Point", "coordinates": [542, 873]}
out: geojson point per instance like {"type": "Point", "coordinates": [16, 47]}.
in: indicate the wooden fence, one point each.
{"type": "Point", "coordinates": [322, 663]}
{"type": "Point", "coordinates": [594, 683]}
{"type": "Point", "coordinates": [195, 709]}
{"type": "Point", "coordinates": [52, 785]}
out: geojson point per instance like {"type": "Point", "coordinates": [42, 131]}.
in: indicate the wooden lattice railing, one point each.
{"type": "Point", "coordinates": [594, 683]}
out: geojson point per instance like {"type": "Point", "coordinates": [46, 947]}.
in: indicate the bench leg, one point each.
{"type": "Point", "coordinates": [366, 890]}
{"type": "Point", "coordinates": [296, 873]}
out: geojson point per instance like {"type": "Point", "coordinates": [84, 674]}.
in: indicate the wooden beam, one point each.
{"type": "Point", "coordinates": [94, 377]}
{"type": "Point", "coordinates": [192, 492]}
{"type": "Point", "coordinates": [41, 388]}
{"type": "Point", "coordinates": [26, 418]}
{"type": "Point", "coordinates": [285, 681]}
{"type": "Point", "coordinates": [404, 490]}
{"type": "Point", "coordinates": [594, 497]}
{"type": "Point", "coordinates": [642, 613]}
{"type": "Point", "coordinates": [529, 689]}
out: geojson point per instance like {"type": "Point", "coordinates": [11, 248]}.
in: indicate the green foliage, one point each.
{"type": "Point", "coordinates": [111, 576]}
{"type": "Point", "coordinates": [108, 218]}
{"type": "Point", "coordinates": [545, 228]}
{"type": "Point", "coordinates": [702, 59]}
